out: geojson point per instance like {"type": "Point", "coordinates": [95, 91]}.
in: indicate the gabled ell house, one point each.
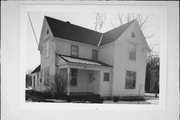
{"type": "Point", "coordinates": [108, 64]}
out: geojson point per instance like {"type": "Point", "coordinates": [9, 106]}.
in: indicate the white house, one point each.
{"type": "Point", "coordinates": [36, 78]}
{"type": "Point", "coordinates": [109, 64]}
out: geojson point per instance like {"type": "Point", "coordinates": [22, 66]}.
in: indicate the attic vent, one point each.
{"type": "Point", "coordinates": [47, 32]}
{"type": "Point", "coordinates": [133, 35]}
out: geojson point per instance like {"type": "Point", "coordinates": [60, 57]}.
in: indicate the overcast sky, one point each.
{"type": "Point", "coordinates": [83, 19]}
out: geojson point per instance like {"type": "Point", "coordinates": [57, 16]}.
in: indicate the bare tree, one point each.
{"type": "Point", "coordinates": [141, 19]}
{"type": "Point", "coordinates": [153, 63]}
{"type": "Point", "coordinates": [100, 20]}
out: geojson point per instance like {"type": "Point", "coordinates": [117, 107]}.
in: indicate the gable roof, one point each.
{"type": "Point", "coordinates": [75, 33]}
{"type": "Point", "coordinates": [37, 69]}
{"type": "Point", "coordinates": [82, 60]}
{"type": "Point", "coordinates": [112, 35]}
{"type": "Point", "coordinates": [68, 31]}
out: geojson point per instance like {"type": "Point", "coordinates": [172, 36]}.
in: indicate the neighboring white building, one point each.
{"type": "Point", "coordinates": [109, 64]}
{"type": "Point", "coordinates": [36, 78]}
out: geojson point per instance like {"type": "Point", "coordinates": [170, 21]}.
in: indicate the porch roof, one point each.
{"type": "Point", "coordinates": [37, 69]}
{"type": "Point", "coordinates": [82, 61]}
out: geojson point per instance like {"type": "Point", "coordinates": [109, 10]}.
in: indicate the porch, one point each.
{"type": "Point", "coordinates": [83, 77]}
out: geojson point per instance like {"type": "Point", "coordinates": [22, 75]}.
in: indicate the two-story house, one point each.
{"type": "Point", "coordinates": [109, 64]}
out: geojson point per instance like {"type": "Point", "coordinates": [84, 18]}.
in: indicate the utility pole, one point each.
{"type": "Point", "coordinates": [32, 28]}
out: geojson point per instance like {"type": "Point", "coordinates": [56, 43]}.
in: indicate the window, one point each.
{"type": "Point", "coordinates": [132, 51]}
{"type": "Point", "coordinates": [94, 54]}
{"type": "Point", "coordinates": [46, 76]}
{"type": "Point", "coordinates": [47, 49]}
{"type": "Point", "coordinates": [73, 77]}
{"type": "Point", "coordinates": [133, 35]}
{"type": "Point", "coordinates": [130, 80]}
{"type": "Point", "coordinates": [74, 50]}
{"type": "Point", "coordinates": [90, 77]}
{"type": "Point", "coordinates": [106, 76]}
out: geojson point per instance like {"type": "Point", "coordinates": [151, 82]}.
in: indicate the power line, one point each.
{"type": "Point", "coordinates": [32, 27]}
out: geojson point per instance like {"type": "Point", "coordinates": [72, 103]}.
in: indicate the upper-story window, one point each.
{"type": "Point", "coordinates": [95, 54]}
{"type": "Point", "coordinates": [47, 49]}
{"type": "Point", "coordinates": [132, 51]}
{"type": "Point", "coordinates": [133, 35]}
{"type": "Point", "coordinates": [47, 32]}
{"type": "Point", "coordinates": [74, 50]}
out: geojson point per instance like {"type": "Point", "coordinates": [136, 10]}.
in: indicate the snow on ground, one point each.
{"type": "Point", "coordinates": [152, 101]}
{"type": "Point", "coordinates": [28, 88]}
{"type": "Point", "coordinates": [56, 100]}
{"type": "Point", "coordinates": [151, 94]}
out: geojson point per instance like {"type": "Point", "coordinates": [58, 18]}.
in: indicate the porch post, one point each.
{"type": "Point", "coordinates": [68, 79]}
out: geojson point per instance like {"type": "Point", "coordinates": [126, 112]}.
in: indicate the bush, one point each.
{"type": "Point", "coordinates": [131, 98]}
{"type": "Point", "coordinates": [59, 86]}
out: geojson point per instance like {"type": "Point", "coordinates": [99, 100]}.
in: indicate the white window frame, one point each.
{"type": "Point", "coordinates": [74, 77]}
{"type": "Point", "coordinates": [108, 77]}
{"type": "Point", "coordinates": [130, 78]}
{"type": "Point", "coordinates": [76, 51]}
{"type": "Point", "coordinates": [132, 51]}
{"type": "Point", "coordinates": [47, 48]}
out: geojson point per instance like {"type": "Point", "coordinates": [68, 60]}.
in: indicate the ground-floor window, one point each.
{"type": "Point", "coordinates": [73, 77]}
{"type": "Point", "coordinates": [130, 80]}
{"type": "Point", "coordinates": [46, 76]}
{"type": "Point", "coordinates": [106, 76]}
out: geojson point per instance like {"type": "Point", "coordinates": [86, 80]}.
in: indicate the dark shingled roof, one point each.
{"type": "Point", "coordinates": [82, 60]}
{"type": "Point", "coordinates": [112, 35]}
{"type": "Point", "coordinates": [68, 31]}
{"type": "Point", "coordinates": [36, 69]}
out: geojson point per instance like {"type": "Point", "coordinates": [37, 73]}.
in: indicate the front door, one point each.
{"type": "Point", "coordinates": [90, 83]}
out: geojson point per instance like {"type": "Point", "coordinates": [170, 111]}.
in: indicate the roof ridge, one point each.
{"type": "Point", "coordinates": [112, 35]}
{"type": "Point", "coordinates": [130, 22]}
{"type": "Point", "coordinates": [72, 32]}
{"type": "Point", "coordinates": [72, 24]}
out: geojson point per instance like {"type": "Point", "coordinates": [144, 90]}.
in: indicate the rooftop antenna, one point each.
{"type": "Point", "coordinates": [32, 27]}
